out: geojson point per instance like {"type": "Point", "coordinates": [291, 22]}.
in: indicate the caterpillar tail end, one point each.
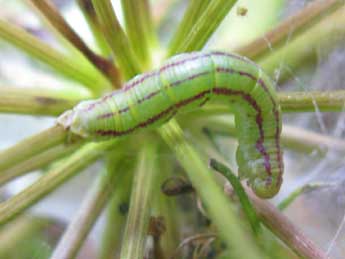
{"type": "Point", "coordinates": [266, 188]}
{"type": "Point", "coordinates": [70, 121]}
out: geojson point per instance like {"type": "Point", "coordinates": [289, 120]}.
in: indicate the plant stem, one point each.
{"type": "Point", "coordinates": [59, 62]}
{"type": "Point", "coordinates": [38, 101]}
{"type": "Point", "coordinates": [36, 162]}
{"type": "Point", "coordinates": [290, 28]}
{"type": "Point", "coordinates": [190, 17]}
{"type": "Point", "coordinates": [204, 26]}
{"type": "Point", "coordinates": [282, 227]}
{"type": "Point", "coordinates": [325, 35]}
{"type": "Point", "coordinates": [116, 38]}
{"type": "Point", "coordinates": [22, 229]}
{"type": "Point", "coordinates": [139, 29]}
{"type": "Point", "coordinates": [133, 245]}
{"type": "Point", "coordinates": [89, 13]}
{"type": "Point", "coordinates": [292, 137]}
{"type": "Point", "coordinates": [297, 192]}
{"type": "Point", "coordinates": [52, 179]}
{"type": "Point", "coordinates": [49, 11]}
{"type": "Point", "coordinates": [117, 213]}
{"type": "Point", "coordinates": [31, 146]}
{"type": "Point", "coordinates": [86, 217]}
{"type": "Point", "coordinates": [220, 210]}
{"type": "Point", "coordinates": [308, 101]}
{"type": "Point", "coordinates": [241, 194]}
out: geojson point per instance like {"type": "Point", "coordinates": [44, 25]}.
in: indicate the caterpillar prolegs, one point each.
{"type": "Point", "coordinates": [186, 82]}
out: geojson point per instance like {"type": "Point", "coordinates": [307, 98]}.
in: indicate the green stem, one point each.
{"type": "Point", "coordinates": [117, 212]}
{"type": "Point", "coordinates": [89, 13]}
{"type": "Point", "coordinates": [116, 38]}
{"type": "Point", "coordinates": [220, 210]}
{"type": "Point", "coordinates": [290, 28]}
{"type": "Point", "coordinates": [49, 11]}
{"type": "Point", "coordinates": [139, 29]}
{"type": "Point", "coordinates": [204, 26]}
{"type": "Point", "coordinates": [292, 137]}
{"type": "Point", "coordinates": [310, 101]}
{"type": "Point", "coordinates": [37, 162]}
{"type": "Point", "coordinates": [241, 194]}
{"type": "Point", "coordinates": [283, 228]}
{"type": "Point", "coordinates": [327, 34]}
{"type": "Point", "coordinates": [296, 193]}
{"type": "Point", "coordinates": [39, 101]}
{"type": "Point", "coordinates": [58, 61]}
{"type": "Point", "coordinates": [52, 179]}
{"type": "Point", "coordinates": [85, 218]}
{"type": "Point", "coordinates": [31, 146]}
{"type": "Point", "coordinates": [133, 245]}
{"type": "Point", "coordinates": [190, 17]}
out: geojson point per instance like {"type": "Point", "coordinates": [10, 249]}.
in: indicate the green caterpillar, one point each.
{"type": "Point", "coordinates": [186, 82]}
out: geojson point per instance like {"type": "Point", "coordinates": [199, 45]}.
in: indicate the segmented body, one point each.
{"type": "Point", "coordinates": [186, 82]}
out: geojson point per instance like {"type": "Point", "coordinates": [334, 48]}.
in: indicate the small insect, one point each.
{"type": "Point", "coordinates": [186, 82]}
{"type": "Point", "coordinates": [241, 11]}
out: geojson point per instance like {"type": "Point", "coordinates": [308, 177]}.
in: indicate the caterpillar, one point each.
{"type": "Point", "coordinates": [183, 83]}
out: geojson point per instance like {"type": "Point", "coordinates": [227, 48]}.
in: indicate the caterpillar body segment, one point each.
{"type": "Point", "coordinates": [186, 82]}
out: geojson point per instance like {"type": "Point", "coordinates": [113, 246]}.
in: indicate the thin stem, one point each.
{"type": "Point", "coordinates": [140, 204]}
{"type": "Point", "coordinates": [117, 212]}
{"type": "Point", "coordinates": [290, 28]}
{"type": "Point", "coordinates": [220, 210]}
{"type": "Point", "coordinates": [49, 11]}
{"type": "Point", "coordinates": [297, 192]}
{"type": "Point", "coordinates": [31, 146]}
{"type": "Point", "coordinates": [308, 101]}
{"type": "Point", "coordinates": [241, 194]}
{"type": "Point", "coordinates": [282, 227]}
{"type": "Point", "coordinates": [190, 17]}
{"type": "Point", "coordinates": [116, 38]}
{"type": "Point", "coordinates": [139, 28]}
{"type": "Point", "coordinates": [303, 50]}
{"type": "Point", "coordinates": [58, 61]}
{"type": "Point", "coordinates": [167, 209]}
{"type": "Point", "coordinates": [52, 179]}
{"type": "Point", "coordinates": [292, 137]}
{"type": "Point", "coordinates": [39, 101]}
{"type": "Point", "coordinates": [86, 217]}
{"type": "Point", "coordinates": [37, 162]}
{"type": "Point", "coordinates": [205, 26]}
{"type": "Point", "coordinates": [89, 13]}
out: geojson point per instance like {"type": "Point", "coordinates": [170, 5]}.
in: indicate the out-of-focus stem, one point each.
{"type": "Point", "coordinates": [37, 162]}
{"type": "Point", "coordinates": [308, 101]}
{"type": "Point", "coordinates": [31, 146]}
{"type": "Point", "coordinates": [290, 28]}
{"type": "Point", "coordinates": [219, 209]}
{"type": "Point", "coordinates": [61, 63]}
{"type": "Point", "coordinates": [203, 28]}
{"type": "Point", "coordinates": [38, 101]}
{"type": "Point", "coordinates": [116, 38]}
{"type": "Point", "coordinates": [47, 8]}
{"type": "Point", "coordinates": [89, 13]}
{"type": "Point", "coordinates": [86, 217]}
{"type": "Point", "coordinates": [283, 228]}
{"type": "Point", "coordinates": [325, 35]}
{"type": "Point", "coordinates": [292, 137]}
{"type": "Point", "coordinates": [140, 204]}
{"type": "Point", "coordinates": [52, 179]}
